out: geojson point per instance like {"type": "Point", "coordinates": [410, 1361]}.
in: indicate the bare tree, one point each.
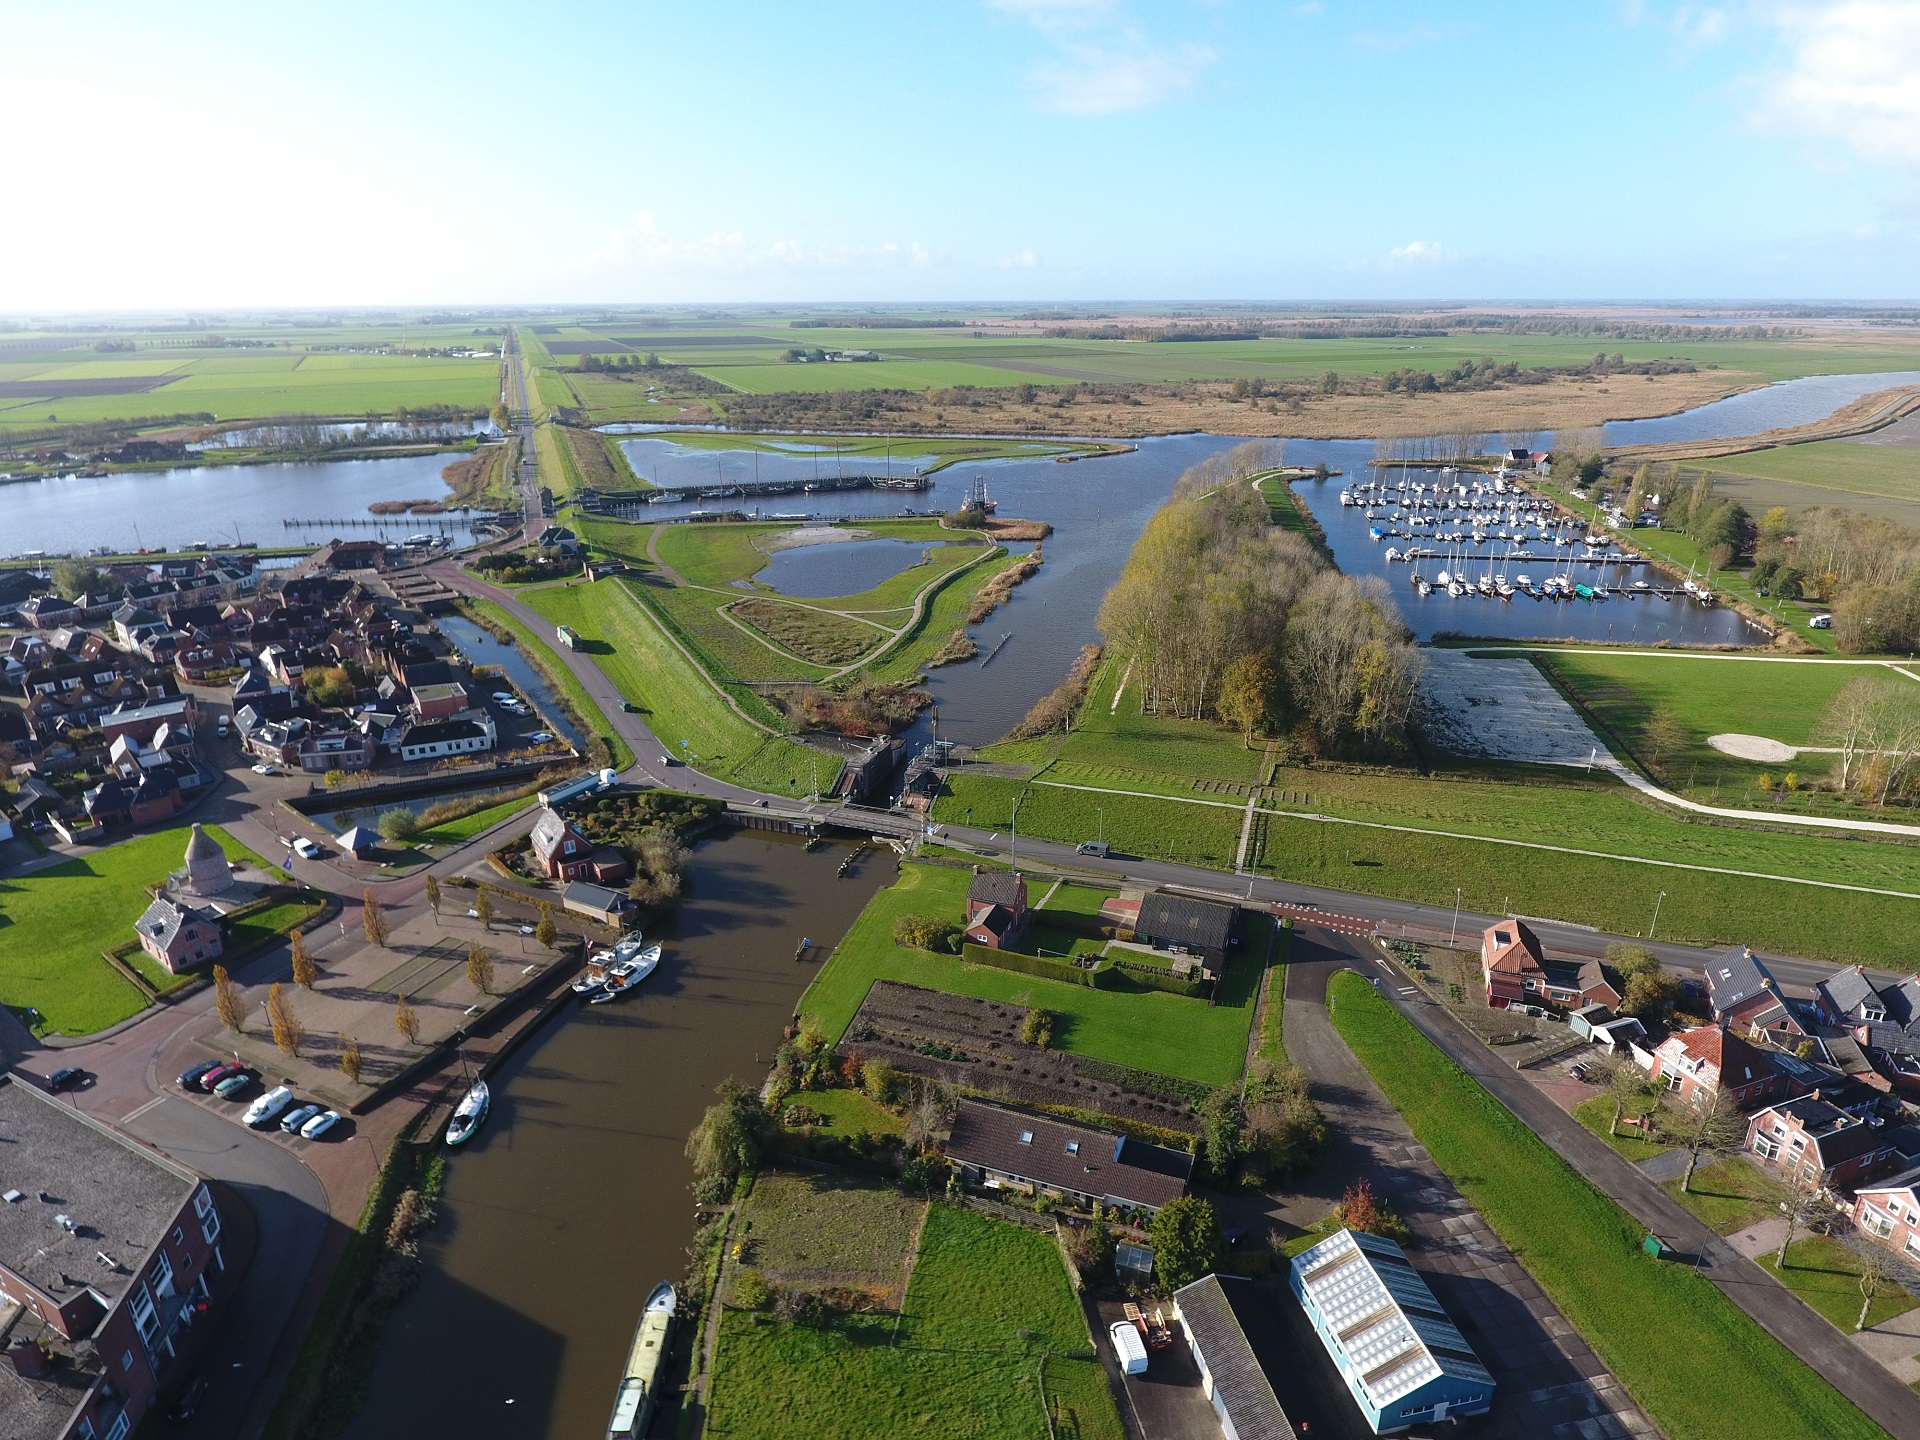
{"type": "Point", "coordinates": [350, 1059]}
{"type": "Point", "coordinates": [1626, 1083]}
{"type": "Point", "coordinates": [1712, 1127]}
{"type": "Point", "coordinates": [1804, 1210]}
{"type": "Point", "coordinates": [483, 903]}
{"type": "Point", "coordinates": [1878, 1275]}
{"type": "Point", "coordinates": [433, 894]}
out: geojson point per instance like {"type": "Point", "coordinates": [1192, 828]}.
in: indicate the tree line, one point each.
{"type": "Point", "coordinates": [1222, 615]}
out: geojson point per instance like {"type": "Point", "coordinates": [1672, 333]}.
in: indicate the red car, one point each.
{"type": "Point", "coordinates": [219, 1072]}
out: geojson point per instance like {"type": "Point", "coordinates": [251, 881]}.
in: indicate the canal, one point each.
{"type": "Point", "coordinates": [573, 1201]}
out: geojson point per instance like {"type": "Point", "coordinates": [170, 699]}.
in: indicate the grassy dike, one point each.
{"type": "Point", "coordinates": [1700, 1367]}
{"type": "Point", "coordinates": [583, 711]}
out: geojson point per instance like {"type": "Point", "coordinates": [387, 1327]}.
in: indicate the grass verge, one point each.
{"type": "Point", "coordinates": [583, 711]}
{"type": "Point", "coordinates": [1699, 1366]}
{"type": "Point", "coordinates": [1826, 1274]}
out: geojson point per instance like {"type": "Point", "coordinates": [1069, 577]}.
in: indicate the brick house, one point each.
{"type": "Point", "coordinates": [1889, 1210]}
{"type": "Point", "coordinates": [106, 1340]}
{"type": "Point", "coordinates": [563, 851]}
{"type": "Point", "coordinates": [470, 734]}
{"type": "Point", "coordinates": [179, 936]}
{"type": "Point", "coordinates": [996, 909]}
{"type": "Point", "coordinates": [1815, 1142]}
{"type": "Point", "coordinates": [996, 1147]}
{"type": "Point", "coordinates": [321, 751]}
{"type": "Point", "coordinates": [1696, 1064]}
{"type": "Point", "coordinates": [439, 702]}
{"type": "Point", "coordinates": [1517, 972]}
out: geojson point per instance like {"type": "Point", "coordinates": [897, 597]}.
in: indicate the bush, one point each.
{"type": "Point", "coordinates": [1037, 1029]}
{"type": "Point", "coordinates": [925, 1174]}
{"type": "Point", "coordinates": [752, 1291]}
{"type": "Point", "coordinates": [927, 932]}
{"type": "Point", "coordinates": [1032, 965]}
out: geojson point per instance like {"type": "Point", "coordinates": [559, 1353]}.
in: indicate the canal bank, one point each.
{"type": "Point", "coordinates": [573, 1200]}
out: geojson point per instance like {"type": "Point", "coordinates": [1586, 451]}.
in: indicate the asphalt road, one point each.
{"type": "Point", "coordinates": [246, 1359]}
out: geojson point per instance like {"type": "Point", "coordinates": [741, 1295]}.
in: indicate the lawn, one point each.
{"type": "Point", "coordinates": [1597, 1115]}
{"type": "Point", "coordinates": [848, 1112]}
{"type": "Point", "coordinates": [557, 674]}
{"type": "Point", "coordinates": [1273, 1013]}
{"type": "Point", "coordinates": [989, 1321]}
{"type": "Point", "coordinates": [1826, 1274]}
{"type": "Point", "coordinates": [1071, 899]}
{"type": "Point", "coordinates": [679, 702]}
{"type": "Point", "coordinates": [1699, 1366]}
{"type": "Point", "coordinates": [1729, 1194]}
{"type": "Point", "coordinates": [458, 832]}
{"type": "Point", "coordinates": [1781, 701]}
{"type": "Point", "coordinates": [1146, 1029]}
{"type": "Point", "coordinates": [1888, 471]}
{"type": "Point", "coordinates": [54, 924]}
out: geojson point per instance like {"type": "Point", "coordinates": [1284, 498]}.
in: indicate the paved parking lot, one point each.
{"type": "Point", "coordinates": [1166, 1403]}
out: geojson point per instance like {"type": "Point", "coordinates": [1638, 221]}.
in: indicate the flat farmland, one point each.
{"type": "Point", "coordinates": [885, 374]}
{"type": "Point", "coordinates": [242, 387]}
{"type": "Point", "coordinates": [1844, 467]}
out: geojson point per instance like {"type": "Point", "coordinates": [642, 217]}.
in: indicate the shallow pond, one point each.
{"type": "Point", "coordinates": [846, 567]}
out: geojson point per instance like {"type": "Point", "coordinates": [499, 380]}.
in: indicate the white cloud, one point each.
{"type": "Point", "coordinates": [1106, 64]}
{"type": "Point", "coordinates": [1020, 260]}
{"type": "Point", "coordinates": [1109, 80]}
{"type": "Point", "coordinates": [1852, 74]}
{"type": "Point", "coordinates": [1416, 252]}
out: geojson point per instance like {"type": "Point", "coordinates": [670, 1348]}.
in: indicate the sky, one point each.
{"type": "Point", "coordinates": [402, 153]}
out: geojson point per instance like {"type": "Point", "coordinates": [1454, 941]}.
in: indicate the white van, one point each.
{"type": "Point", "coordinates": [1821, 622]}
{"type": "Point", "coordinates": [1128, 1348]}
{"type": "Point", "coordinates": [268, 1105]}
{"type": "Point", "coordinates": [1096, 848]}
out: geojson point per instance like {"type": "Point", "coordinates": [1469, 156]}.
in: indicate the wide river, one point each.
{"type": "Point", "coordinates": [573, 1202]}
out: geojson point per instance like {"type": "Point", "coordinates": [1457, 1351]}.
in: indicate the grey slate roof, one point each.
{"type": "Point", "coordinates": [163, 919]}
{"type": "Point", "coordinates": [599, 897]}
{"type": "Point", "coordinates": [1847, 990]}
{"type": "Point", "coordinates": [549, 829]}
{"type": "Point", "coordinates": [1737, 976]}
{"type": "Point", "coordinates": [122, 1200]}
{"type": "Point", "coordinates": [1905, 1180]}
{"type": "Point", "coordinates": [995, 887]}
{"type": "Point", "coordinates": [1238, 1380]}
{"type": "Point", "coordinates": [1197, 924]}
{"type": "Point", "coordinates": [1903, 1004]}
{"type": "Point", "coordinates": [1100, 1162]}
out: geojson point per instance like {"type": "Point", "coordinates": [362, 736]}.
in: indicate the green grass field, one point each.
{"type": "Point", "coordinates": [1146, 1029]}
{"type": "Point", "coordinates": [458, 832]}
{"type": "Point", "coordinates": [1699, 1367]}
{"type": "Point", "coordinates": [848, 1112]}
{"type": "Point", "coordinates": [1826, 1274]}
{"type": "Point", "coordinates": [1729, 1194]}
{"type": "Point", "coordinates": [679, 703]}
{"type": "Point", "coordinates": [1597, 1115]}
{"type": "Point", "coordinates": [1844, 467]}
{"type": "Point", "coordinates": [55, 922]}
{"type": "Point", "coordinates": [989, 1320]}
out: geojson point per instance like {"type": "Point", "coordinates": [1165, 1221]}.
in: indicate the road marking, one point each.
{"type": "Point", "coordinates": [1409, 990]}
{"type": "Point", "coordinates": [136, 1113]}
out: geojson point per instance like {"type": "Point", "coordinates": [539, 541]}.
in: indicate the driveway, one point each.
{"type": "Point", "coordinates": [1551, 1383]}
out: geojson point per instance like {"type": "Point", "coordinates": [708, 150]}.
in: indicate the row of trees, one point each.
{"type": "Point", "coordinates": [1224, 615]}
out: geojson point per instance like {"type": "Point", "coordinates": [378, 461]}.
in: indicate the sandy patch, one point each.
{"type": "Point", "coordinates": [1752, 747]}
{"type": "Point", "coordinates": [810, 535]}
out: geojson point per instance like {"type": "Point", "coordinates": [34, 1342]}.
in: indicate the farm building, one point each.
{"type": "Point", "coordinates": [1230, 1374]}
{"type": "Point", "coordinates": [1190, 927]}
{"type": "Point", "coordinates": [1404, 1361]}
{"type": "Point", "coordinates": [995, 1146]}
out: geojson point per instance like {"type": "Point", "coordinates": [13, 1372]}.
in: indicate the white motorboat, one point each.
{"type": "Point", "coordinates": [467, 1117]}
{"type": "Point", "coordinates": [623, 975]}
{"type": "Point", "coordinates": [637, 1398]}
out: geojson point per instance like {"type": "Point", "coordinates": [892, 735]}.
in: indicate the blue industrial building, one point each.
{"type": "Point", "coordinates": [1403, 1360]}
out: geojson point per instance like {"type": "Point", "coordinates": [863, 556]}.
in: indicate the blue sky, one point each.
{"type": "Point", "coordinates": [1025, 150]}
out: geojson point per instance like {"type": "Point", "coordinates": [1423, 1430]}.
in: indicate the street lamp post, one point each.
{"type": "Point", "coordinates": [1455, 931]}
{"type": "Point", "coordinates": [1656, 915]}
{"type": "Point", "coordinates": [1013, 833]}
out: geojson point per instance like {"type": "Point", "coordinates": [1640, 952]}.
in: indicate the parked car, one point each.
{"type": "Point", "coordinates": [629, 707]}
{"type": "Point", "coordinates": [265, 770]}
{"type": "Point", "coordinates": [540, 737]}
{"type": "Point", "coordinates": [306, 849]}
{"type": "Point", "coordinates": [1096, 848]}
{"type": "Point", "coordinates": [295, 1119]}
{"type": "Point", "coordinates": [526, 929]}
{"type": "Point", "coordinates": [221, 729]}
{"type": "Point", "coordinates": [66, 1077]}
{"type": "Point", "coordinates": [232, 1084]}
{"type": "Point", "coordinates": [668, 761]}
{"type": "Point", "coordinates": [190, 1079]}
{"type": "Point", "coordinates": [1821, 622]}
{"type": "Point", "coordinates": [188, 1404]}
{"type": "Point", "coordinates": [319, 1124]}
{"type": "Point", "coordinates": [268, 1105]}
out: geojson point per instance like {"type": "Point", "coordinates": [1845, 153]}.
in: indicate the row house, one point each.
{"type": "Point", "coordinates": [470, 734]}
{"type": "Point", "coordinates": [1813, 1142]}
{"type": "Point", "coordinates": [202, 656]}
{"type": "Point", "coordinates": [1889, 1211]}
{"type": "Point", "coordinates": [74, 696]}
{"type": "Point", "coordinates": [321, 751]}
{"type": "Point", "coordinates": [150, 796]}
{"type": "Point", "coordinates": [1709, 1060]}
{"type": "Point", "coordinates": [179, 711]}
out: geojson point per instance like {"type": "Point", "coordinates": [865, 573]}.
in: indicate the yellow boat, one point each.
{"type": "Point", "coordinates": [635, 1401]}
